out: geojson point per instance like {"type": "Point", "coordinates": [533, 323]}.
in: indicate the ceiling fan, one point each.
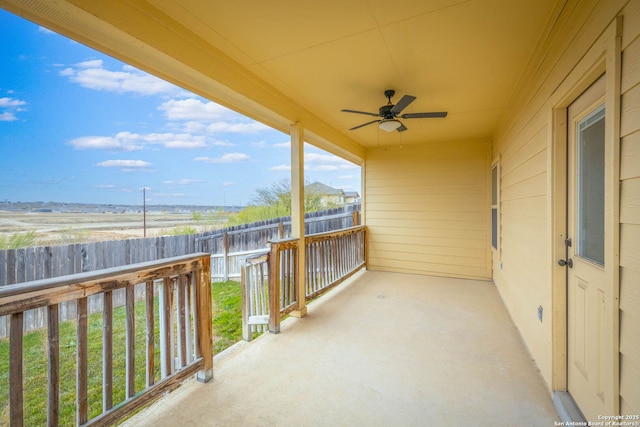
{"type": "Point", "coordinates": [390, 114]}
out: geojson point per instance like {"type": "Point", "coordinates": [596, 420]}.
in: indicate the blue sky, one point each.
{"type": "Point", "coordinates": [79, 126]}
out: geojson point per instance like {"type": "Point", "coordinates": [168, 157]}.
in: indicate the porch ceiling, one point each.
{"type": "Point", "coordinates": [306, 62]}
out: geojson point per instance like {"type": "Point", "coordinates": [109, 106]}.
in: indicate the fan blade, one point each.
{"type": "Point", "coordinates": [361, 112]}
{"type": "Point", "coordinates": [364, 124]}
{"type": "Point", "coordinates": [403, 103]}
{"type": "Point", "coordinates": [424, 115]}
{"type": "Point", "coordinates": [402, 128]}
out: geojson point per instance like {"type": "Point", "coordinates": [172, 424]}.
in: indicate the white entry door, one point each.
{"type": "Point", "coordinates": [588, 359]}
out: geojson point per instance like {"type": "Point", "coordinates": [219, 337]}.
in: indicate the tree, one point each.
{"type": "Point", "coordinates": [274, 201]}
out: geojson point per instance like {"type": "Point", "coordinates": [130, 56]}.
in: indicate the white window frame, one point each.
{"type": "Point", "coordinates": [495, 205]}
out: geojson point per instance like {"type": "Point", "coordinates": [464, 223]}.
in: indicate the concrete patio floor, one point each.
{"type": "Point", "coordinates": [383, 349]}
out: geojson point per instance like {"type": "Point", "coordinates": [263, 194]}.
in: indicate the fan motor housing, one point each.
{"type": "Point", "coordinates": [385, 111]}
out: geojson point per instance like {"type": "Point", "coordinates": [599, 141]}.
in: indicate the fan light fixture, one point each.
{"type": "Point", "coordinates": [389, 125]}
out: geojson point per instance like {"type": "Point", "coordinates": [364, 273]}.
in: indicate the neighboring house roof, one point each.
{"type": "Point", "coordinates": [320, 188]}
{"type": "Point", "coordinates": [353, 194]}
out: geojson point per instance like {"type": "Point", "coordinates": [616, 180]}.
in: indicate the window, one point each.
{"type": "Point", "coordinates": [495, 203]}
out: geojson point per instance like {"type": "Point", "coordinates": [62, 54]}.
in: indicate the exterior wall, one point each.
{"type": "Point", "coordinates": [427, 208]}
{"type": "Point", "coordinates": [523, 268]}
{"type": "Point", "coordinates": [630, 213]}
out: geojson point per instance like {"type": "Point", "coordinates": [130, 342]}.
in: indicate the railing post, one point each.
{"type": "Point", "coordinates": [203, 285]}
{"type": "Point", "coordinates": [274, 289]}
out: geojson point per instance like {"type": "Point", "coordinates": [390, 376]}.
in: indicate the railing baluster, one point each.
{"type": "Point", "coordinates": [53, 374]}
{"type": "Point", "coordinates": [16, 392]}
{"type": "Point", "coordinates": [187, 313]}
{"type": "Point", "coordinates": [82, 378]}
{"type": "Point", "coordinates": [150, 339]}
{"type": "Point", "coordinates": [107, 351]}
{"type": "Point", "coordinates": [182, 329]}
{"type": "Point", "coordinates": [130, 339]}
{"type": "Point", "coordinates": [166, 364]}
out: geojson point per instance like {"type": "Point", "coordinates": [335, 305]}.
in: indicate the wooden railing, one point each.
{"type": "Point", "coordinates": [177, 307]}
{"type": "Point", "coordinates": [333, 257]}
{"type": "Point", "coordinates": [269, 279]}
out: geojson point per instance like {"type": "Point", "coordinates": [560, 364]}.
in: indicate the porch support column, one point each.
{"type": "Point", "coordinates": [297, 212]}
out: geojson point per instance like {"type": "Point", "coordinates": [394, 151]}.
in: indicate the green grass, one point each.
{"type": "Point", "coordinates": [18, 240]}
{"type": "Point", "coordinates": [227, 329]}
{"type": "Point", "coordinates": [227, 314]}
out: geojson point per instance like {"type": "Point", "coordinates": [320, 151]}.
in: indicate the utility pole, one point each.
{"type": "Point", "coordinates": [144, 210]}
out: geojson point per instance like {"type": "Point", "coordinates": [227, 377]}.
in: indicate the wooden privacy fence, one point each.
{"type": "Point", "coordinates": [177, 307]}
{"type": "Point", "coordinates": [269, 288]}
{"type": "Point", "coordinates": [44, 262]}
{"type": "Point", "coordinates": [228, 248]}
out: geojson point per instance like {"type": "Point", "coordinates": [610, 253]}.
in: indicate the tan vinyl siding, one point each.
{"type": "Point", "coordinates": [630, 213]}
{"type": "Point", "coordinates": [523, 267]}
{"type": "Point", "coordinates": [427, 209]}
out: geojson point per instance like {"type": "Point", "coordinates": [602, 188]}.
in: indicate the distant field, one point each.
{"type": "Point", "coordinates": [63, 228]}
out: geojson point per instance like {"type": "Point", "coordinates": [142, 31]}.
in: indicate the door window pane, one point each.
{"type": "Point", "coordinates": [590, 187]}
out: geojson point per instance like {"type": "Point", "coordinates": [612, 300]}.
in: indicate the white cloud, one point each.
{"type": "Point", "coordinates": [92, 75]}
{"type": "Point", "coordinates": [113, 187]}
{"type": "Point", "coordinates": [129, 141]}
{"type": "Point", "coordinates": [125, 165]}
{"type": "Point", "coordinates": [280, 168]}
{"type": "Point", "coordinates": [93, 63]}
{"type": "Point", "coordinates": [286, 144]}
{"type": "Point", "coordinates": [170, 195]}
{"type": "Point", "coordinates": [193, 109]}
{"type": "Point", "coordinates": [207, 116]}
{"type": "Point", "coordinates": [326, 163]}
{"type": "Point", "coordinates": [45, 30]}
{"type": "Point", "coordinates": [10, 102]}
{"type": "Point", "coordinates": [183, 182]}
{"type": "Point", "coordinates": [228, 183]}
{"type": "Point", "coordinates": [101, 143]}
{"type": "Point", "coordinates": [10, 106]}
{"type": "Point", "coordinates": [7, 117]}
{"type": "Point", "coordinates": [225, 158]}
{"type": "Point", "coordinates": [250, 127]}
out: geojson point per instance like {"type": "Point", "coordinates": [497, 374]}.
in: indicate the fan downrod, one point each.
{"type": "Point", "coordinates": [389, 94]}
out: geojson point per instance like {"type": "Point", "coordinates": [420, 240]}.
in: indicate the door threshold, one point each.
{"type": "Point", "coordinates": [566, 407]}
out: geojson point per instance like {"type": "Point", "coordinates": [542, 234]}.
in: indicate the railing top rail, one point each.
{"type": "Point", "coordinates": [139, 270]}
{"type": "Point", "coordinates": [330, 234]}
{"type": "Point", "coordinates": [285, 240]}
{"type": "Point", "coordinates": [257, 259]}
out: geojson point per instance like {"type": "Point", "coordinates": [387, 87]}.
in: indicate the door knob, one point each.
{"type": "Point", "coordinates": [567, 262]}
